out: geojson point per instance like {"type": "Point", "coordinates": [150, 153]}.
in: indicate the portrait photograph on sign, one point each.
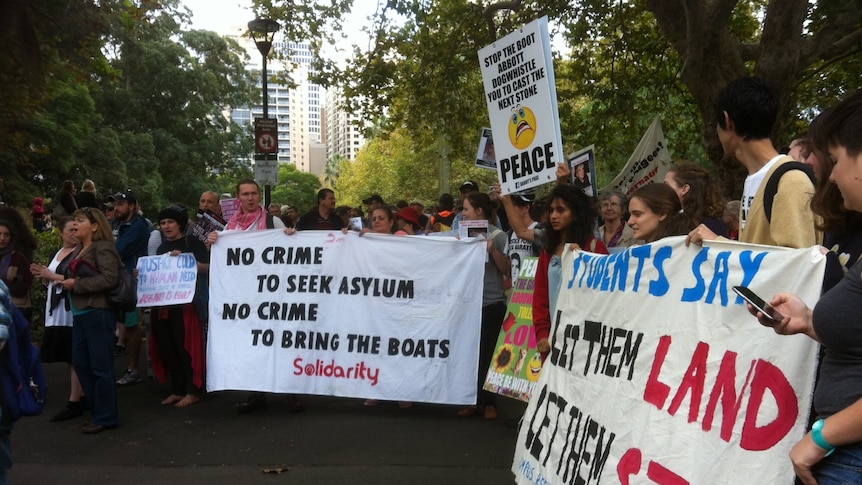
{"type": "Point", "coordinates": [583, 166]}
{"type": "Point", "coordinates": [486, 156]}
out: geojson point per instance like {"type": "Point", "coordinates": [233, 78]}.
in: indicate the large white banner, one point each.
{"type": "Point", "coordinates": [658, 373]}
{"type": "Point", "coordinates": [518, 76]}
{"type": "Point", "coordinates": [320, 312]}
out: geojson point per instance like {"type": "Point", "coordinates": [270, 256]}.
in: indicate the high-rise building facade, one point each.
{"type": "Point", "coordinates": [343, 131]}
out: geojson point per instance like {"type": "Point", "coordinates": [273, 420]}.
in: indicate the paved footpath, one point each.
{"type": "Point", "coordinates": [336, 441]}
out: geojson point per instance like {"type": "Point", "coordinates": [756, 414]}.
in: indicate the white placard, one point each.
{"type": "Point", "coordinates": [166, 280]}
{"type": "Point", "coordinates": [518, 77]}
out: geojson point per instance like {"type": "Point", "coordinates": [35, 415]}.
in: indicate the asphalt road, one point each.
{"type": "Point", "coordinates": [335, 441]}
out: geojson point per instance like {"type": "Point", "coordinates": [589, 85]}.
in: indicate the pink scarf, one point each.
{"type": "Point", "coordinates": [243, 222]}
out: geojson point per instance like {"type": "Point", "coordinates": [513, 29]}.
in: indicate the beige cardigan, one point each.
{"type": "Point", "coordinates": [792, 219]}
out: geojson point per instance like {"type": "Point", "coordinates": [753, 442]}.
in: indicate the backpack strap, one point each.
{"type": "Point", "coordinates": [772, 184]}
{"type": "Point", "coordinates": [269, 223]}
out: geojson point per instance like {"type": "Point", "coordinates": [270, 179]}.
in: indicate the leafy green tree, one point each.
{"type": "Point", "coordinates": [295, 187]}
{"type": "Point", "coordinates": [392, 168]}
{"type": "Point", "coordinates": [174, 86]}
{"type": "Point", "coordinates": [52, 53]}
{"type": "Point", "coordinates": [332, 170]}
{"type": "Point", "coordinates": [119, 93]}
{"type": "Point", "coordinates": [630, 60]}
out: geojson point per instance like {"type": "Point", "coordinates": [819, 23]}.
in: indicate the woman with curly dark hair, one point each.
{"type": "Point", "coordinates": [699, 194]}
{"type": "Point", "coordinates": [570, 220]}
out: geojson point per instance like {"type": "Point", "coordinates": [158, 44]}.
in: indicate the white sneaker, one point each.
{"type": "Point", "coordinates": [129, 377]}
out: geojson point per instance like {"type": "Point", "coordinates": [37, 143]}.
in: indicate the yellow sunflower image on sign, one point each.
{"type": "Point", "coordinates": [503, 359]}
{"type": "Point", "coordinates": [522, 127]}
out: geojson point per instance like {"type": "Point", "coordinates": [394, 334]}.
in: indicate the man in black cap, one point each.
{"type": "Point", "coordinates": [521, 240]}
{"type": "Point", "coordinates": [132, 235]}
{"type": "Point", "coordinates": [108, 207]}
{"type": "Point", "coordinates": [373, 202]}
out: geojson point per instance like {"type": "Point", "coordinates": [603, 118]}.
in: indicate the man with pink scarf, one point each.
{"type": "Point", "coordinates": [253, 217]}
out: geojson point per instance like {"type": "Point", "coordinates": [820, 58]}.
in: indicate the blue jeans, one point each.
{"type": "Point", "coordinates": [93, 359]}
{"type": "Point", "coordinates": [843, 467]}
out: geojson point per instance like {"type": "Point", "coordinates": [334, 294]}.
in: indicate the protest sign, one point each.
{"type": "Point", "coordinates": [229, 207]}
{"type": "Point", "coordinates": [582, 164]}
{"type": "Point", "coordinates": [469, 228]}
{"type": "Point", "coordinates": [649, 162]}
{"type": "Point", "coordinates": [517, 364]}
{"type": "Point", "coordinates": [166, 280]}
{"type": "Point", "coordinates": [337, 314]}
{"type": "Point", "coordinates": [518, 76]}
{"type": "Point", "coordinates": [658, 373]}
{"type": "Point", "coordinates": [205, 222]}
{"type": "Point", "coordinates": [486, 156]}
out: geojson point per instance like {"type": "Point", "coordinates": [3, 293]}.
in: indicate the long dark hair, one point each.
{"type": "Point", "coordinates": [704, 195]}
{"type": "Point", "coordinates": [581, 228]}
{"type": "Point", "coordinates": [662, 200]}
{"type": "Point", "coordinates": [23, 239]}
{"type": "Point", "coordinates": [482, 201]}
{"type": "Point", "coordinates": [828, 128]}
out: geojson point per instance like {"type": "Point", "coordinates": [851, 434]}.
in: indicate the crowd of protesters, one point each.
{"type": "Point", "coordinates": [804, 205]}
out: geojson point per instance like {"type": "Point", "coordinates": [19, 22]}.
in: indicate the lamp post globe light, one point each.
{"type": "Point", "coordinates": [265, 133]}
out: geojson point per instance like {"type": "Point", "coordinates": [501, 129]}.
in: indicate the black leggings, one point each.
{"type": "Point", "coordinates": [170, 335]}
{"type": "Point", "coordinates": [492, 320]}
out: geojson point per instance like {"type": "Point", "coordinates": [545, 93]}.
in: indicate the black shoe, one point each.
{"type": "Point", "coordinates": [72, 410]}
{"type": "Point", "coordinates": [254, 403]}
{"type": "Point", "coordinates": [92, 428]}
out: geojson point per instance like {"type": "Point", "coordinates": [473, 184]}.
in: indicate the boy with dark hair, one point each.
{"type": "Point", "coordinates": [775, 207]}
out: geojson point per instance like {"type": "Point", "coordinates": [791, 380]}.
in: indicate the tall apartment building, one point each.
{"type": "Point", "coordinates": [298, 110]}
{"type": "Point", "coordinates": [343, 131]}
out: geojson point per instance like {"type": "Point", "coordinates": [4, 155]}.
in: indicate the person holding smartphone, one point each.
{"type": "Point", "coordinates": [831, 453]}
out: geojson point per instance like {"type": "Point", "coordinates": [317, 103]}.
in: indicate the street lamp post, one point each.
{"type": "Point", "coordinates": [266, 146]}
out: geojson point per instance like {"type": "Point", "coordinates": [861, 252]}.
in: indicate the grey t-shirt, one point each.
{"type": "Point", "coordinates": [837, 321]}
{"type": "Point", "coordinates": [492, 290]}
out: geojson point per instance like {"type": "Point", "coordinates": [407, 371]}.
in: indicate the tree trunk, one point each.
{"type": "Point", "coordinates": [700, 33]}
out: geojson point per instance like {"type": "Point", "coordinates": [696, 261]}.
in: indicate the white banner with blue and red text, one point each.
{"type": "Point", "coordinates": [658, 373]}
{"type": "Point", "coordinates": [318, 312]}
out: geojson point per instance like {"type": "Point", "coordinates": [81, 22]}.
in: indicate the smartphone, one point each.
{"type": "Point", "coordinates": [758, 303]}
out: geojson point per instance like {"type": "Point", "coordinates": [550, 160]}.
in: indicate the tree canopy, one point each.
{"type": "Point", "coordinates": [625, 62]}
{"type": "Point", "coordinates": [125, 94]}
{"type": "Point", "coordinates": [122, 94]}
